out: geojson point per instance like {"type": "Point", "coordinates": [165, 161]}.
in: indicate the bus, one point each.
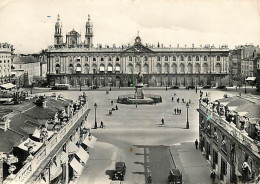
{"type": "Point", "coordinates": [61, 87]}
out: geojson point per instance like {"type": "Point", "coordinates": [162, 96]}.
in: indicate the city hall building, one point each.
{"type": "Point", "coordinates": [79, 63]}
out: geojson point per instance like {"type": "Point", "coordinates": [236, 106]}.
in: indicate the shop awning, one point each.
{"type": "Point", "coordinates": [78, 69]}
{"type": "Point", "coordinates": [76, 166]}
{"type": "Point", "coordinates": [82, 154]}
{"type": "Point", "coordinates": [90, 142]}
{"type": "Point", "coordinates": [102, 69]}
{"type": "Point", "coordinates": [30, 143]}
{"type": "Point", "coordinates": [250, 78]}
{"type": "Point", "coordinates": [72, 148]}
{"type": "Point", "coordinates": [7, 86]}
{"type": "Point", "coordinates": [55, 171]}
{"type": "Point", "coordinates": [63, 157]}
{"type": "Point", "coordinates": [109, 69]}
{"type": "Point", "coordinates": [117, 68]}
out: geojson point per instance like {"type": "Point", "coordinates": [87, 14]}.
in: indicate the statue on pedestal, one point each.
{"type": "Point", "coordinates": [139, 78]}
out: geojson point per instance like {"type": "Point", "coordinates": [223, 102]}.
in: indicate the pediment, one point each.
{"type": "Point", "coordinates": [138, 48]}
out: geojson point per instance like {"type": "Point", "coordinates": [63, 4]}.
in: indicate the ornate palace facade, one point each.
{"type": "Point", "coordinates": [79, 63]}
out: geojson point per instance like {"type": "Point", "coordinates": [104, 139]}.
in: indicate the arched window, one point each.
{"type": "Point", "coordinates": [109, 59]}
{"type": "Point", "coordinates": [197, 68]}
{"type": "Point", "coordinates": [190, 68]}
{"type": "Point", "coordinates": [173, 58]}
{"type": "Point", "coordinates": [182, 58]}
{"type": "Point", "coordinates": [102, 59]}
{"type": "Point", "coordinates": [218, 68]}
{"type": "Point", "coordinates": [146, 68]}
{"type": "Point", "coordinates": [166, 68]}
{"type": "Point", "coordinates": [130, 68]}
{"type": "Point", "coordinates": [205, 58]}
{"type": "Point", "coordinates": [174, 68]}
{"type": "Point", "coordinates": [218, 58]}
{"type": "Point", "coordinates": [145, 58]}
{"type": "Point", "coordinates": [158, 68]}
{"type": "Point", "coordinates": [205, 68]}
{"type": "Point", "coordinates": [182, 68]}
{"type": "Point", "coordinates": [86, 58]}
{"type": "Point", "coordinates": [166, 58]}
{"type": "Point", "coordinates": [94, 68]}
{"type": "Point", "coordinates": [158, 58]}
{"type": "Point", "coordinates": [189, 58]}
{"type": "Point", "coordinates": [94, 59]}
{"type": "Point", "coordinates": [197, 58]}
{"type": "Point", "coordinates": [86, 68]}
{"type": "Point", "coordinates": [57, 68]}
{"type": "Point", "coordinates": [130, 58]}
{"type": "Point", "coordinates": [138, 68]}
{"type": "Point", "coordinates": [117, 59]}
{"type": "Point", "coordinates": [117, 69]}
{"type": "Point", "coordinates": [71, 68]}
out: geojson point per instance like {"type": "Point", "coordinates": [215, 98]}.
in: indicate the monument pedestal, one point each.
{"type": "Point", "coordinates": [139, 94]}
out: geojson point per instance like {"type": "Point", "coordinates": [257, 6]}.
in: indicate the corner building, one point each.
{"type": "Point", "coordinates": [79, 63]}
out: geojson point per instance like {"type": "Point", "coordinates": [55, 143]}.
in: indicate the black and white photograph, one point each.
{"type": "Point", "coordinates": [129, 91]}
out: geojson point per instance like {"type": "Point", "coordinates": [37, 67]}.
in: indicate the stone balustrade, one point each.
{"type": "Point", "coordinates": [29, 168]}
{"type": "Point", "coordinates": [239, 135]}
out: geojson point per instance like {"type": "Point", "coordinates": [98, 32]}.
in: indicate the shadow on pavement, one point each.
{"type": "Point", "coordinates": [141, 163]}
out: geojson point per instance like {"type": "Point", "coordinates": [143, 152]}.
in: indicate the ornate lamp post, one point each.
{"type": "Point", "coordinates": [95, 106]}
{"type": "Point", "coordinates": [187, 125]}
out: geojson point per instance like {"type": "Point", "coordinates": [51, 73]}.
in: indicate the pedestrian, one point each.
{"type": "Point", "coordinates": [180, 110]}
{"type": "Point", "coordinates": [101, 124]}
{"type": "Point", "coordinates": [206, 94]}
{"type": "Point", "coordinates": [189, 101]}
{"type": "Point", "coordinates": [172, 99]}
{"type": "Point", "coordinates": [116, 107]}
{"type": "Point", "coordinates": [196, 144]}
{"type": "Point", "coordinates": [162, 121]}
{"type": "Point", "coordinates": [110, 89]}
{"type": "Point", "coordinates": [112, 102]}
{"type": "Point", "coordinates": [175, 110]}
{"type": "Point", "coordinates": [213, 176]}
{"type": "Point", "coordinates": [135, 105]}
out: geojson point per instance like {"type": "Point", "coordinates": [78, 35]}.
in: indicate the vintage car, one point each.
{"type": "Point", "coordinates": [175, 176]}
{"type": "Point", "coordinates": [206, 87]}
{"type": "Point", "coordinates": [119, 172]}
{"type": "Point", "coordinates": [222, 88]}
{"type": "Point", "coordinates": [190, 87]}
{"type": "Point", "coordinates": [174, 87]}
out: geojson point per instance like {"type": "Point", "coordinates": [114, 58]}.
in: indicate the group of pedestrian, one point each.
{"type": "Point", "coordinates": [177, 111]}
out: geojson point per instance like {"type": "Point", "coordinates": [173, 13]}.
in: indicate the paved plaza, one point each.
{"type": "Point", "coordinates": [135, 136]}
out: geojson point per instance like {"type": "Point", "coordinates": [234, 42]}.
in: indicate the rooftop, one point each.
{"type": "Point", "coordinates": [24, 60]}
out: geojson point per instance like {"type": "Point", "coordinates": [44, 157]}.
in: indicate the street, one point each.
{"type": "Point", "coordinates": [135, 135]}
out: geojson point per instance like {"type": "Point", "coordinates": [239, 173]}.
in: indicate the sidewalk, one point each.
{"type": "Point", "coordinates": [193, 165]}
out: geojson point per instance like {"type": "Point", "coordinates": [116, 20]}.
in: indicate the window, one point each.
{"type": "Point", "coordinates": [189, 58]}
{"type": "Point", "coordinates": [94, 59]}
{"type": "Point", "coordinates": [205, 58]}
{"type": "Point", "coordinates": [197, 58]}
{"type": "Point", "coordinates": [109, 59]}
{"type": "Point", "coordinates": [166, 58]}
{"type": "Point", "coordinates": [218, 58]}
{"type": "Point", "coordinates": [130, 58]}
{"type": "Point", "coordinates": [102, 59]}
{"type": "Point", "coordinates": [174, 58]}
{"type": "Point", "coordinates": [182, 58]}
{"type": "Point", "coordinates": [158, 58]}
{"type": "Point", "coordinates": [145, 58]}
{"type": "Point", "coordinates": [117, 59]}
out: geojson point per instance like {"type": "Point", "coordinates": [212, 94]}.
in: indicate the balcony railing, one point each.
{"type": "Point", "coordinates": [28, 169]}
{"type": "Point", "coordinates": [239, 135]}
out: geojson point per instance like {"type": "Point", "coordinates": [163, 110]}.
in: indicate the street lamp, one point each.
{"type": "Point", "coordinates": [95, 106]}
{"type": "Point", "coordinates": [245, 85]}
{"type": "Point", "coordinates": [187, 125]}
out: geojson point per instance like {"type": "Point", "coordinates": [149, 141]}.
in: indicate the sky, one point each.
{"type": "Point", "coordinates": [29, 24]}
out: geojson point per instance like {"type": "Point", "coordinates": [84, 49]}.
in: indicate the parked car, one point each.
{"type": "Point", "coordinates": [190, 87]}
{"type": "Point", "coordinates": [175, 176]}
{"type": "Point", "coordinates": [222, 88]}
{"type": "Point", "coordinates": [119, 172]}
{"type": "Point", "coordinates": [206, 87]}
{"type": "Point", "coordinates": [174, 87]}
